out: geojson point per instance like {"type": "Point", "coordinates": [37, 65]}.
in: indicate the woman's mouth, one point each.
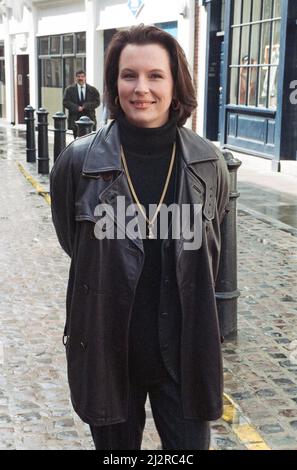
{"type": "Point", "coordinates": [142, 104]}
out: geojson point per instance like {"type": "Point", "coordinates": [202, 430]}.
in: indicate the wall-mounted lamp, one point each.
{"type": "Point", "coordinates": [182, 8]}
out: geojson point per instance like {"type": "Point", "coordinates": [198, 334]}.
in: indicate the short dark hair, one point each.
{"type": "Point", "coordinates": [184, 92]}
{"type": "Point", "coordinates": [78, 72]}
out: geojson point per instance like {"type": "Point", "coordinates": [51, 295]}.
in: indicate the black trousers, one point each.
{"type": "Point", "coordinates": [176, 432]}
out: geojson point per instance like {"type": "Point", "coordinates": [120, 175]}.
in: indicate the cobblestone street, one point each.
{"type": "Point", "coordinates": [35, 410]}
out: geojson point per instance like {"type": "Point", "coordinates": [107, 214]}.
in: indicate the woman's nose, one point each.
{"type": "Point", "coordinates": [141, 87]}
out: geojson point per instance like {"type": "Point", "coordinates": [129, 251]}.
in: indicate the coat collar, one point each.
{"type": "Point", "coordinates": [103, 153]}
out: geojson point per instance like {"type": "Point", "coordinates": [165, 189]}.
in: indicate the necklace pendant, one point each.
{"type": "Point", "coordinates": [151, 235]}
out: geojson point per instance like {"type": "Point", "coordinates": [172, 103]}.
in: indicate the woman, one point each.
{"type": "Point", "coordinates": [141, 311]}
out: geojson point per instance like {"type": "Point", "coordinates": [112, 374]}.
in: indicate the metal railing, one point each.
{"type": "Point", "coordinates": [84, 126]}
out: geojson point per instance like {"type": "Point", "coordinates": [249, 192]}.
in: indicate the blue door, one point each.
{"type": "Point", "coordinates": [221, 108]}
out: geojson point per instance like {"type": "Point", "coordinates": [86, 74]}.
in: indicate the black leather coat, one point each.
{"type": "Point", "coordinates": [104, 275]}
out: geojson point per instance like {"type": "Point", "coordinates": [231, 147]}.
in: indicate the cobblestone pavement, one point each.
{"type": "Point", "coordinates": [35, 411]}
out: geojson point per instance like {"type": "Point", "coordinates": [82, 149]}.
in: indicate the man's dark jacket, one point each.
{"type": "Point", "coordinates": [104, 275]}
{"type": "Point", "coordinates": [71, 101]}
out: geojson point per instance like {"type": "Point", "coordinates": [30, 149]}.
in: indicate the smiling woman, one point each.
{"type": "Point", "coordinates": [141, 308]}
{"type": "Point", "coordinates": [145, 84]}
{"type": "Point", "coordinates": [164, 65]}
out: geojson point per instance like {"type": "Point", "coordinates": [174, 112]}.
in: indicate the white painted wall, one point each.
{"type": "Point", "coordinates": [185, 31]}
{"type": "Point", "coordinates": [116, 13]}
{"type": "Point", "coordinates": [185, 34]}
{"type": "Point", "coordinates": [94, 51]}
{"type": "Point", "coordinates": [9, 74]}
{"type": "Point", "coordinates": [33, 59]}
{"type": "Point", "coordinates": [17, 27]}
{"type": "Point", "coordinates": [61, 18]}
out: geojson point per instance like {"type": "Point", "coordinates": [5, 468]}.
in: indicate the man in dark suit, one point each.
{"type": "Point", "coordinates": [81, 99]}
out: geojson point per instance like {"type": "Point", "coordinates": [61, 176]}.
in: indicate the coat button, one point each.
{"type": "Point", "coordinates": [83, 345]}
{"type": "Point", "coordinates": [112, 197]}
{"type": "Point", "coordinates": [164, 314]}
{"type": "Point", "coordinates": [167, 245]}
{"type": "Point", "coordinates": [92, 234]}
{"type": "Point", "coordinates": [85, 288]}
{"type": "Point", "coordinates": [107, 176]}
{"type": "Point", "coordinates": [166, 282]}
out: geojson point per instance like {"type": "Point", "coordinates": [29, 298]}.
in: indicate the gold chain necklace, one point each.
{"type": "Point", "coordinates": [151, 222]}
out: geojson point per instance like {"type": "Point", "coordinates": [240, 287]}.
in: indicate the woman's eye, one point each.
{"type": "Point", "coordinates": [128, 76]}
{"type": "Point", "coordinates": [156, 75]}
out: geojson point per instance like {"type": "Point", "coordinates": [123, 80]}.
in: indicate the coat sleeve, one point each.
{"type": "Point", "coordinates": [67, 101]}
{"type": "Point", "coordinates": [62, 191]}
{"type": "Point", "coordinates": [95, 102]}
{"type": "Point", "coordinates": [223, 187]}
{"type": "Point", "coordinates": [223, 183]}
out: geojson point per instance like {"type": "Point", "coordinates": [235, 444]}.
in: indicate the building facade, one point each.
{"type": "Point", "coordinates": [251, 77]}
{"type": "Point", "coordinates": [43, 43]}
{"type": "Point", "coordinates": [241, 54]}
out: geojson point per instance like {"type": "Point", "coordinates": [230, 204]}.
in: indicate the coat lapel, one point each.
{"type": "Point", "coordinates": [197, 183]}
{"type": "Point", "coordinates": [117, 198]}
{"type": "Point", "coordinates": [103, 156]}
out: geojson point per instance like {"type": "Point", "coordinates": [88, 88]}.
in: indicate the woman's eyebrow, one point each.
{"type": "Point", "coordinates": [126, 69]}
{"type": "Point", "coordinates": [158, 70]}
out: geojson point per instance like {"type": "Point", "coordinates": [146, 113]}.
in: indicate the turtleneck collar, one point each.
{"type": "Point", "coordinates": [146, 140]}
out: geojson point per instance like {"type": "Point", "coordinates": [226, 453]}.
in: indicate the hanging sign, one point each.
{"type": "Point", "coordinates": [135, 6]}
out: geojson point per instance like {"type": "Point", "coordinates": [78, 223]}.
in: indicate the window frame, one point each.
{"type": "Point", "coordinates": [61, 55]}
{"type": "Point", "coordinates": [249, 66]}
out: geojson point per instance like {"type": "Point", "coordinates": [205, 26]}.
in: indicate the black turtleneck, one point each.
{"type": "Point", "coordinates": [148, 152]}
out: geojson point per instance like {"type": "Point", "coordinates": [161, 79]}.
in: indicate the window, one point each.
{"type": "Point", "coordinates": [255, 41]}
{"type": "Point", "coordinates": [169, 27]}
{"type": "Point", "coordinates": [59, 58]}
{"type": "Point", "coordinates": [222, 25]}
{"type": "Point", "coordinates": [51, 73]}
{"type": "Point", "coordinates": [71, 65]}
{"type": "Point", "coordinates": [44, 45]}
{"type": "Point", "coordinates": [68, 44]}
{"type": "Point", "coordinates": [55, 45]}
{"type": "Point", "coordinates": [80, 43]}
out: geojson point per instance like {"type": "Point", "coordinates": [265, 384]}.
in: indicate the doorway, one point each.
{"type": "Point", "coordinates": [215, 62]}
{"type": "Point", "coordinates": [22, 86]}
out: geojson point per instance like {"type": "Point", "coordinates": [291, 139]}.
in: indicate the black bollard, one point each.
{"type": "Point", "coordinates": [30, 134]}
{"type": "Point", "coordinates": [84, 126]}
{"type": "Point", "coordinates": [226, 285]}
{"type": "Point", "coordinates": [43, 158]}
{"type": "Point", "coordinates": [60, 133]}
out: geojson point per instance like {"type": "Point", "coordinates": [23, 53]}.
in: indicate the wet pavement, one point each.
{"type": "Point", "coordinates": [260, 365]}
{"type": "Point", "coordinates": [274, 204]}
{"type": "Point", "coordinates": [269, 193]}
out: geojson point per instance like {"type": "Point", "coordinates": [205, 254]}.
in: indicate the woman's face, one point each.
{"type": "Point", "coordinates": [145, 84]}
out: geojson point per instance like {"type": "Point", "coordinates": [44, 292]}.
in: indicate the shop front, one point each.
{"type": "Point", "coordinates": [60, 56]}
{"type": "Point", "coordinates": [255, 110]}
